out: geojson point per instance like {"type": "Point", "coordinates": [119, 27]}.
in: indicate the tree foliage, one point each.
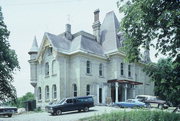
{"type": "Point", "coordinates": [166, 76]}
{"type": "Point", "coordinates": [151, 20]}
{"type": "Point", "coordinates": [8, 64]}
{"type": "Point", "coordinates": [155, 23]}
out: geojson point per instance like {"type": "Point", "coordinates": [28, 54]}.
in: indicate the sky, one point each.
{"type": "Point", "coordinates": [28, 18]}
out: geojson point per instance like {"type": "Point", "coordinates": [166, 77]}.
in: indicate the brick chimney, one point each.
{"type": "Point", "coordinates": [96, 26]}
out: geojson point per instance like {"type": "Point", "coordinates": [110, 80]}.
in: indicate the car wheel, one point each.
{"type": "Point", "coordinates": [160, 106]}
{"type": "Point", "coordinates": [79, 110]}
{"type": "Point", "coordinates": [58, 112]}
{"type": "Point", "coordinates": [121, 106]}
{"type": "Point", "coordinates": [52, 114]}
{"type": "Point", "coordinates": [9, 115]}
{"type": "Point", "coordinates": [86, 109]}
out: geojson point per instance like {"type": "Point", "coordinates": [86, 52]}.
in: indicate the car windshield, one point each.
{"type": "Point", "coordinates": [62, 101]}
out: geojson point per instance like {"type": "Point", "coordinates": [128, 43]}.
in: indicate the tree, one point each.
{"type": "Point", "coordinates": [8, 64]}
{"type": "Point", "coordinates": [155, 23]}
{"type": "Point", "coordinates": [166, 76]}
{"type": "Point", "coordinates": [146, 21]}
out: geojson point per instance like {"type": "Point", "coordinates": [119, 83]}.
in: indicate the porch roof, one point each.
{"type": "Point", "coordinates": [125, 82]}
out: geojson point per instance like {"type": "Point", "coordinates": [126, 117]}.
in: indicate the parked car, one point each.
{"type": "Point", "coordinates": [130, 103]}
{"type": "Point", "coordinates": [71, 104]}
{"type": "Point", "coordinates": [151, 100]}
{"type": "Point", "coordinates": [7, 111]}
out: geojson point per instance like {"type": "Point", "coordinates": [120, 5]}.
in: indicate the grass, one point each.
{"type": "Point", "coordinates": [135, 115]}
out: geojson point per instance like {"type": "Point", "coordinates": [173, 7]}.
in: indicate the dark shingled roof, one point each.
{"type": "Point", "coordinates": [83, 41]}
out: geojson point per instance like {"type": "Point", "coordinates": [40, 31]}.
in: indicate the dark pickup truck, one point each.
{"type": "Point", "coordinates": [71, 104]}
{"type": "Point", "coordinates": [7, 111]}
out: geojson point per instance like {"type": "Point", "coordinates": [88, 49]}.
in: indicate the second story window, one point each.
{"type": "Point", "coordinates": [129, 70]}
{"type": "Point", "coordinates": [122, 69]}
{"type": "Point", "coordinates": [47, 69]}
{"type": "Point", "coordinates": [54, 67]}
{"type": "Point", "coordinates": [88, 67]}
{"type": "Point", "coordinates": [100, 69]}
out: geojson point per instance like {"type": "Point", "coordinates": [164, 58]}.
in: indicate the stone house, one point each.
{"type": "Point", "coordinates": [80, 64]}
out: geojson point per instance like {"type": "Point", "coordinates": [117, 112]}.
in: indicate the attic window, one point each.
{"type": "Point", "coordinates": [50, 51]}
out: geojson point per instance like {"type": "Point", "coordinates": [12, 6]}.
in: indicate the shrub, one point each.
{"type": "Point", "coordinates": [136, 115]}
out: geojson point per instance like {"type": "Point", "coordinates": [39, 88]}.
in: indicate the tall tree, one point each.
{"type": "Point", "coordinates": [8, 64]}
{"type": "Point", "coordinates": [151, 20]}
{"type": "Point", "coordinates": [166, 76]}
{"type": "Point", "coordinates": [155, 23]}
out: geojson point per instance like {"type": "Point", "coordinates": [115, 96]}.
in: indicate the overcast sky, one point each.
{"type": "Point", "coordinates": [28, 18]}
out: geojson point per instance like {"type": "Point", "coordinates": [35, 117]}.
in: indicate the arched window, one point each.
{"type": "Point", "coordinates": [75, 90]}
{"type": "Point", "coordinates": [88, 67]}
{"type": "Point", "coordinates": [122, 69]}
{"type": "Point", "coordinates": [54, 67]}
{"type": "Point", "coordinates": [47, 69]}
{"type": "Point", "coordinates": [47, 92]}
{"type": "Point", "coordinates": [100, 69]}
{"type": "Point", "coordinates": [54, 92]}
{"type": "Point", "coordinates": [88, 89]}
{"type": "Point", "coordinates": [39, 93]}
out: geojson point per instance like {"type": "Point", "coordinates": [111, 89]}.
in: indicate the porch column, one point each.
{"type": "Point", "coordinates": [134, 91]}
{"type": "Point", "coordinates": [116, 88]}
{"type": "Point", "coordinates": [125, 92]}
{"type": "Point", "coordinates": [97, 94]}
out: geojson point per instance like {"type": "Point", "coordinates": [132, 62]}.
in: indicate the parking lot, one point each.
{"type": "Point", "coordinates": [66, 116]}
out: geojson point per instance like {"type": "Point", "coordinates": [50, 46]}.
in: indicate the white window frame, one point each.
{"type": "Point", "coordinates": [54, 91]}
{"type": "Point", "coordinates": [47, 92]}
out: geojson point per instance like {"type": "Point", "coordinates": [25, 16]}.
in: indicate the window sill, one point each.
{"type": "Point", "coordinates": [46, 76]}
{"type": "Point", "coordinates": [123, 76]}
{"type": "Point", "coordinates": [101, 76]}
{"type": "Point", "coordinates": [89, 74]}
{"type": "Point", "coordinates": [47, 100]}
{"type": "Point", "coordinates": [130, 77]}
{"type": "Point", "coordinates": [54, 74]}
{"type": "Point", "coordinates": [39, 100]}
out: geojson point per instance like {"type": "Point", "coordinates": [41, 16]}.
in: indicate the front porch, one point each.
{"type": "Point", "coordinates": [121, 90]}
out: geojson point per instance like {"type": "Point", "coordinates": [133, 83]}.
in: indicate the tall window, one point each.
{"type": "Point", "coordinates": [47, 92]}
{"type": "Point", "coordinates": [122, 69]}
{"type": "Point", "coordinates": [88, 89]}
{"type": "Point", "coordinates": [129, 70]}
{"type": "Point", "coordinates": [47, 69]}
{"type": "Point", "coordinates": [54, 92]}
{"type": "Point", "coordinates": [88, 67]}
{"type": "Point", "coordinates": [100, 69]}
{"type": "Point", "coordinates": [39, 93]}
{"type": "Point", "coordinates": [75, 90]}
{"type": "Point", "coordinates": [53, 67]}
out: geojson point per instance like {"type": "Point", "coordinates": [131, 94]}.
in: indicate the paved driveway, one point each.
{"type": "Point", "coordinates": [68, 116]}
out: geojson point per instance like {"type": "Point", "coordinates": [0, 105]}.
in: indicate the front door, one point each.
{"type": "Point", "coordinates": [100, 95]}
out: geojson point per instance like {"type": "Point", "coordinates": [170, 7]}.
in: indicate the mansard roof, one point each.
{"type": "Point", "coordinates": [86, 42]}
{"type": "Point", "coordinates": [109, 31]}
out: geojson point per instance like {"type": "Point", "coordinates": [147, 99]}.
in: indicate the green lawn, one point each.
{"type": "Point", "coordinates": [136, 115]}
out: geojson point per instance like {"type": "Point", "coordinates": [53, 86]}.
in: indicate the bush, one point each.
{"type": "Point", "coordinates": [136, 115]}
